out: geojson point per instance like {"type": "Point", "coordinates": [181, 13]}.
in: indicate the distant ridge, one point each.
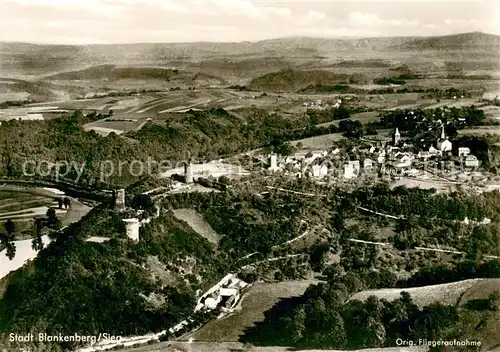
{"type": "Point", "coordinates": [449, 40]}
{"type": "Point", "coordinates": [454, 41]}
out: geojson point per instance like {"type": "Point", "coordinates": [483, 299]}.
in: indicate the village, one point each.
{"type": "Point", "coordinates": [393, 159]}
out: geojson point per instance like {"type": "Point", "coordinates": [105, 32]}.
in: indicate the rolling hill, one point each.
{"type": "Point", "coordinates": [465, 41]}
{"type": "Point", "coordinates": [31, 59]}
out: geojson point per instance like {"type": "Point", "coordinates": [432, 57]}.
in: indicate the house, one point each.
{"type": "Point", "coordinates": [471, 161]}
{"type": "Point", "coordinates": [315, 154]}
{"type": "Point", "coordinates": [356, 166]}
{"type": "Point", "coordinates": [403, 161]}
{"type": "Point", "coordinates": [380, 159]}
{"type": "Point", "coordinates": [349, 171]}
{"type": "Point", "coordinates": [319, 170]}
{"type": "Point", "coordinates": [433, 151]}
{"type": "Point", "coordinates": [463, 151]}
{"type": "Point", "coordinates": [424, 155]}
{"type": "Point", "coordinates": [274, 163]}
{"type": "Point", "coordinates": [300, 155]}
{"type": "Point", "coordinates": [227, 290]}
{"type": "Point", "coordinates": [368, 164]}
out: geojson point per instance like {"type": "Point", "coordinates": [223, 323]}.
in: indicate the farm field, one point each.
{"type": "Point", "coordinates": [196, 221]}
{"type": "Point", "coordinates": [259, 298]}
{"type": "Point", "coordinates": [480, 131]}
{"type": "Point", "coordinates": [116, 125]}
{"type": "Point", "coordinates": [491, 111]}
{"type": "Point", "coordinates": [363, 117]}
{"type": "Point", "coordinates": [22, 207]}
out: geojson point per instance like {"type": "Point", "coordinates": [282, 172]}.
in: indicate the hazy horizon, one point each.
{"type": "Point", "coordinates": [72, 22]}
{"type": "Point", "coordinates": [244, 41]}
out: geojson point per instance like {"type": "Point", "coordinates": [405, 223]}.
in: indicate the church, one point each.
{"type": "Point", "coordinates": [443, 144]}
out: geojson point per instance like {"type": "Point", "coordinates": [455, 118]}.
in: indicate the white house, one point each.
{"type": "Point", "coordinates": [313, 155]}
{"type": "Point", "coordinates": [349, 171]}
{"type": "Point", "coordinates": [274, 163]}
{"type": "Point", "coordinates": [433, 151]}
{"type": "Point", "coordinates": [424, 155]}
{"type": "Point", "coordinates": [368, 164]}
{"type": "Point", "coordinates": [319, 170]}
{"type": "Point", "coordinates": [356, 165]}
{"type": "Point", "coordinates": [471, 161]}
{"type": "Point", "coordinates": [463, 151]}
{"type": "Point", "coordinates": [403, 161]}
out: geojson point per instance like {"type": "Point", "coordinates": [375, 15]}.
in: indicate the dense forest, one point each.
{"type": "Point", "coordinates": [206, 134]}
{"type": "Point", "coordinates": [324, 317]}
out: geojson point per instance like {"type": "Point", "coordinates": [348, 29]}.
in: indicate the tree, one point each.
{"type": "Point", "coordinates": [318, 255]}
{"type": "Point", "coordinates": [341, 113]}
{"type": "Point", "coordinates": [224, 180]}
{"type": "Point", "coordinates": [333, 272]}
{"type": "Point", "coordinates": [493, 300]}
{"type": "Point", "coordinates": [67, 202]}
{"type": "Point", "coordinates": [285, 149]}
{"type": "Point", "coordinates": [8, 244]}
{"type": "Point", "coordinates": [10, 227]}
{"type": "Point", "coordinates": [52, 219]}
{"type": "Point", "coordinates": [298, 327]}
{"type": "Point", "coordinates": [336, 336]}
{"type": "Point", "coordinates": [36, 232]}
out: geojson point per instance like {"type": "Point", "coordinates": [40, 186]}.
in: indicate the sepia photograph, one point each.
{"type": "Point", "coordinates": [249, 175]}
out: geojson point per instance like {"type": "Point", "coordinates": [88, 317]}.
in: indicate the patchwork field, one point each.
{"type": "Point", "coordinates": [480, 131]}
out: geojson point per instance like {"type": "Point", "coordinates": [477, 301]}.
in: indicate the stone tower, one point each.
{"type": "Point", "coordinates": [132, 228]}
{"type": "Point", "coordinates": [188, 169]}
{"type": "Point", "coordinates": [188, 172]}
{"type": "Point", "coordinates": [119, 200]}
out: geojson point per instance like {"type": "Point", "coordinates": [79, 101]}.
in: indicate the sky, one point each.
{"type": "Point", "coordinates": [155, 21]}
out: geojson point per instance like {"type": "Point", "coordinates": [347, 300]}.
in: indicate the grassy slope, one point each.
{"type": "Point", "coordinates": [448, 294]}
{"type": "Point", "coordinates": [197, 223]}
{"type": "Point", "coordinates": [259, 298]}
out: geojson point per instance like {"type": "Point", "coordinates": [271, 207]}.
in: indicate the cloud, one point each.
{"type": "Point", "coordinates": [372, 20]}
{"type": "Point", "coordinates": [72, 21]}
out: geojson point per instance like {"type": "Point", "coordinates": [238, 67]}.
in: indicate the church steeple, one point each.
{"type": "Point", "coordinates": [396, 136]}
{"type": "Point", "coordinates": [443, 134]}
